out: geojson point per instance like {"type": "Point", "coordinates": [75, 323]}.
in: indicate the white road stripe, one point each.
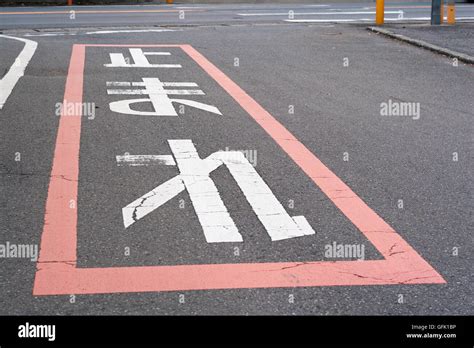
{"type": "Point", "coordinates": [150, 201]}
{"type": "Point", "coordinates": [17, 70]}
{"type": "Point", "coordinates": [166, 84]}
{"type": "Point", "coordinates": [167, 91]}
{"type": "Point", "coordinates": [145, 160]}
{"type": "Point", "coordinates": [102, 32]}
{"type": "Point", "coordinates": [118, 84]}
{"type": "Point", "coordinates": [189, 7]}
{"type": "Point", "coordinates": [49, 34]}
{"type": "Point", "coordinates": [315, 13]}
{"type": "Point", "coordinates": [216, 222]}
{"type": "Point", "coordinates": [328, 20]}
{"type": "Point", "coordinates": [128, 31]}
{"type": "Point", "coordinates": [336, 20]}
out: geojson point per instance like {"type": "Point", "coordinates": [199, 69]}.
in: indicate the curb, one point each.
{"type": "Point", "coordinates": [423, 44]}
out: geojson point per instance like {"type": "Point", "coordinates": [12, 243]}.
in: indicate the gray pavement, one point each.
{"type": "Point", "coordinates": [336, 113]}
{"type": "Point", "coordinates": [458, 38]}
{"type": "Point", "coordinates": [202, 14]}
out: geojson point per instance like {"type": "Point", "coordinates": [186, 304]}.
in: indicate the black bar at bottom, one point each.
{"type": "Point", "coordinates": [412, 330]}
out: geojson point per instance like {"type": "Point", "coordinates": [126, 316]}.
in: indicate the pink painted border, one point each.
{"type": "Point", "coordinates": [57, 272]}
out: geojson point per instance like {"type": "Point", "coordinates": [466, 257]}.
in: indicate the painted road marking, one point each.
{"type": "Point", "coordinates": [92, 12]}
{"type": "Point", "coordinates": [129, 31]}
{"type": "Point", "coordinates": [158, 97]}
{"type": "Point", "coordinates": [409, 7]}
{"type": "Point", "coordinates": [338, 20]}
{"type": "Point", "coordinates": [328, 20]}
{"type": "Point", "coordinates": [365, 20]}
{"type": "Point", "coordinates": [17, 70]}
{"type": "Point", "coordinates": [104, 32]}
{"type": "Point", "coordinates": [145, 160]}
{"type": "Point", "coordinates": [140, 60]}
{"type": "Point", "coordinates": [49, 34]}
{"type": "Point", "coordinates": [57, 272]}
{"type": "Point", "coordinates": [212, 213]}
{"type": "Point", "coordinates": [215, 220]}
{"type": "Point", "coordinates": [165, 84]}
{"type": "Point", "coordinates": [315, 13]}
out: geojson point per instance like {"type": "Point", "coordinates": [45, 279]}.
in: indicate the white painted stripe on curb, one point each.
{"type": "Point", "coordinates": [17, 70]}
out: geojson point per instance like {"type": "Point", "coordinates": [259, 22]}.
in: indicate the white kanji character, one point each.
{"type": "Point", "coordinates": [158, 96]}
{"type": "Point", "coordinates": [140, 60]}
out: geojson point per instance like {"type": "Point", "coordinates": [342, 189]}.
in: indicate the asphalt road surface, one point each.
{"type": "Point", "coordinates": [292, 121]}
{"type": "Point", "coordinates": [189, 14]}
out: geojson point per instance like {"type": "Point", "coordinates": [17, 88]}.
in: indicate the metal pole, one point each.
{"type": "Point", "coordinates": [435, 12]}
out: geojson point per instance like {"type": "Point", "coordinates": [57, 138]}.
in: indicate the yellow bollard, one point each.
{"type": "Point", "coordinates": [379, 12]}
{"type": "Point", "coordinates": [169, 1]}
{"type": "Point", "coordinates": [451, 13]}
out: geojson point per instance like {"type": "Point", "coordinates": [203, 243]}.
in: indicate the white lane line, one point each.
{"type": "Point", "coordinates": [49, 34]}
{"type": "Point", "coordinates": [316, 13]}
{"type": "Point", "coordinates": [17, 70]}
{"type": "Point", "coordinates": [189, 7]}
{"type": "Point", "coordinates": [328, 20]}
{"type": "Point", "coordinates": [336, 20]}
{"type": "Point", "coordinates": [103, 32]}
{"type": "Point", "coordinates": [128, 31]}
{"type": "Point", "coordinates": [145, 160]}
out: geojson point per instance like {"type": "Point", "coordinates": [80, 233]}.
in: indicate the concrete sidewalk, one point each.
{"type": "Point", "coordinates": [453, 40]}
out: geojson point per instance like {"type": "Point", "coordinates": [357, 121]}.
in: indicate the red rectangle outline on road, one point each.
{"type": "Point", "coordinates": [57, 272]}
